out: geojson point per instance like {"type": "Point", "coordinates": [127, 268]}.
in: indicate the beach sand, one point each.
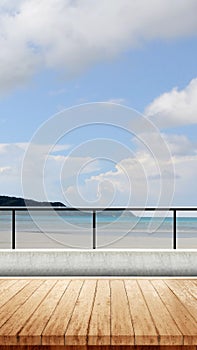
{"type": "Point", "coordinates": [104, 239]}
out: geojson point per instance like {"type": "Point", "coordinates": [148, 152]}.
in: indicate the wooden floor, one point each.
{"type": "Point", "coordinates": [161, 313]}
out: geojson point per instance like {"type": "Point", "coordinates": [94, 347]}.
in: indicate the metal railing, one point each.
{"type": "Point", "coordinates": [94, 211]}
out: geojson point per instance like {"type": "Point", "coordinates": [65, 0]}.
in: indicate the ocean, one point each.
{"type": "Point", "coordinates": [48, 230]}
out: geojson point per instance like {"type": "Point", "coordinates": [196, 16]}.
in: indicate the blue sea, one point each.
{"type": "Point", "coordinates": [70, 230]}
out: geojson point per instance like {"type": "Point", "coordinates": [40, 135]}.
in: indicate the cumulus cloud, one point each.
{"type": "Point", "coordinates": [59, 170]}
{"type": "Point", "coordinates": [137, 181]}
{"type": "Point", "coordinates": [10, 164]}
{"type": "Point", "coordinates": [11, 158]}
{"type": "Point", "coordinates": [176, 144]}
{"type": "Point", "coordinates": [180, 145]}
{"type": "Point", "coordinates": [131, 180]}
{"type": "Point", "coordinates": [134, 182]}
{"type": "Point", "coordinates": [72, 35]}
{"type": "Point", "coordinates": [5, 170]}
{"type": "Point", "coordinates": [174, 108]}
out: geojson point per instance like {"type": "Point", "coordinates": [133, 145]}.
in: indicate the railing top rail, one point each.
{"type": "Point", "coordinates": [34, 208]}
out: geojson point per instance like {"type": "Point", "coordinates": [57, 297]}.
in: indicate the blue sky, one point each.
{"type": "Point", "coordinates": [136, 77]}
{"type": "Point", "coordinates": [149, 64]}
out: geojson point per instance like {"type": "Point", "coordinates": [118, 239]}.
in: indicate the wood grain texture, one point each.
{"type": "Point", "coordinates": [121, 326]}
{"type": "Point", "coordinates": [191, 286]}
{"type": "Point", "coordinates": [8, 292]}
{"type": "Point", "coordinates": [58, 314]}
{"type": "Point", "coordinates": [169, 334]}
{"type": "Point", "coordinates": [99, 327]}
{"type": "Point", "coordinates": [8, 309]}
{"type": "Point", "coordinates": [9, 331]}
{"type": "Point", "coordinates": [143, 325]}
{"type": "Point", "coordinates": [184, 320]}
{"type": "Point", "coordinates": [34, 327]}
{"type": "Point", "coordinates": [77, 331]}
{"type": "Point", "coordinates": [54, 332]}
{"type": "Point", "coordinates": [185, 297]}
{"type": "Point", "coordinates": [96, 347]}
{"type": "Point", "coordinates": [4, 284]}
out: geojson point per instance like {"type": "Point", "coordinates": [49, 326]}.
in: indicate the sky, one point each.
{"type": "Point", "coordinates": [127, 68]}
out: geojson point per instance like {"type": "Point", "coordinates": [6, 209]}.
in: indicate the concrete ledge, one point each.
{"type": "Point", "coordinates": [98, 262]}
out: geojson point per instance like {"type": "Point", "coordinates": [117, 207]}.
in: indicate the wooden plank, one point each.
{"type": "Point", "coordinates": [191, 287]}
{"type": "Point", "coordinates": [5, 284]}
{"type": "Point", "coordinates": [121, 326]}
{"type": "Point", "coordinates": [9, 331]}
{"type": "Point", "coordinates": [77, 331]}
{"type": "Point", "coordinates": [32, 330]}
{"type": "Point", "coordinates": [179, 313]}
{"type": "Point", "coordinates": [11, 289]}
{"type": "Point", "coordinates": [169, 334]}
{"type": "Point", "coordinates": [92, 347]}
{"type": "Point", "coordinates": [54, 333]}
{"type": "Point", "coordinates": [79, 316]}
{"type": "Point", "coordinates": [143, 325]}
{"type": "Point", "coordinates": [163, 347]}
{"type": "Point", "coordinates": [182, 292]}
{"type": "Point", "coordinates": [48, 347]}
{"type": "Point", "coordinates": [178, 347]}
{"type": "Point", "coordinates": [99, 328]}
{"type": "Point", "coordinates": [8, 309]}
{"type": "Point", "coordinates": [2, 281]}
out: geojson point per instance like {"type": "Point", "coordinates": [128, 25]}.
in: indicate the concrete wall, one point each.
{"type": "Point", "coordinates": [98, 262]}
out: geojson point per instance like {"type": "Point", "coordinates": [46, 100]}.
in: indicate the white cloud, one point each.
{"type": "Point", "coordinates": [186, 185]}
{"type": "Point", "coordinates": [25, 145]}
{"type": "Point", "coordinates": [174, 108]}
{"type": "Point", "coordinates": [69, 167]}
{"type": "Point", "coordinates": [126, 185]}
{"type": "Point", "coordinates": [72, 35]}
{"type": "Point", "coordinates": [180, 145]}
{"type": "Point", "coordinates": [130, 181]}
{"type": "Point", "coordinates": [5, 170]}
{"type": "Point", "coordinates": [11, 160]}
{"type": "Point", "coordinates": [136, 179]}
{"type": "Point", "coordinates": [176, 144]}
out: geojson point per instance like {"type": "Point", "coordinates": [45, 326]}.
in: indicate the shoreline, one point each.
{"type": "Point", "coordinates": [133, 240]}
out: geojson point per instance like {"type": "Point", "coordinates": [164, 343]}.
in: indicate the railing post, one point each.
{"type": "Point", "coordinates": [13, 229]}
{"type": "Point", "coordinates": [174, 228]}
{"type": "Point", "coordinates": [94, 228]}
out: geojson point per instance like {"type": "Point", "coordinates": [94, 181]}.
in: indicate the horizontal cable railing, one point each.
{"type": "Point", "coordinates": [94, 212]}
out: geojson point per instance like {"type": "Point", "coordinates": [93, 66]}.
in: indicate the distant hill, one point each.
{"type": "Point", "coordinates": [6, 201]}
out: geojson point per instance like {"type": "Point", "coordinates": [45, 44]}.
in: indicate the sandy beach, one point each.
{"type": "Point", "coordinates": [104, 239]}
